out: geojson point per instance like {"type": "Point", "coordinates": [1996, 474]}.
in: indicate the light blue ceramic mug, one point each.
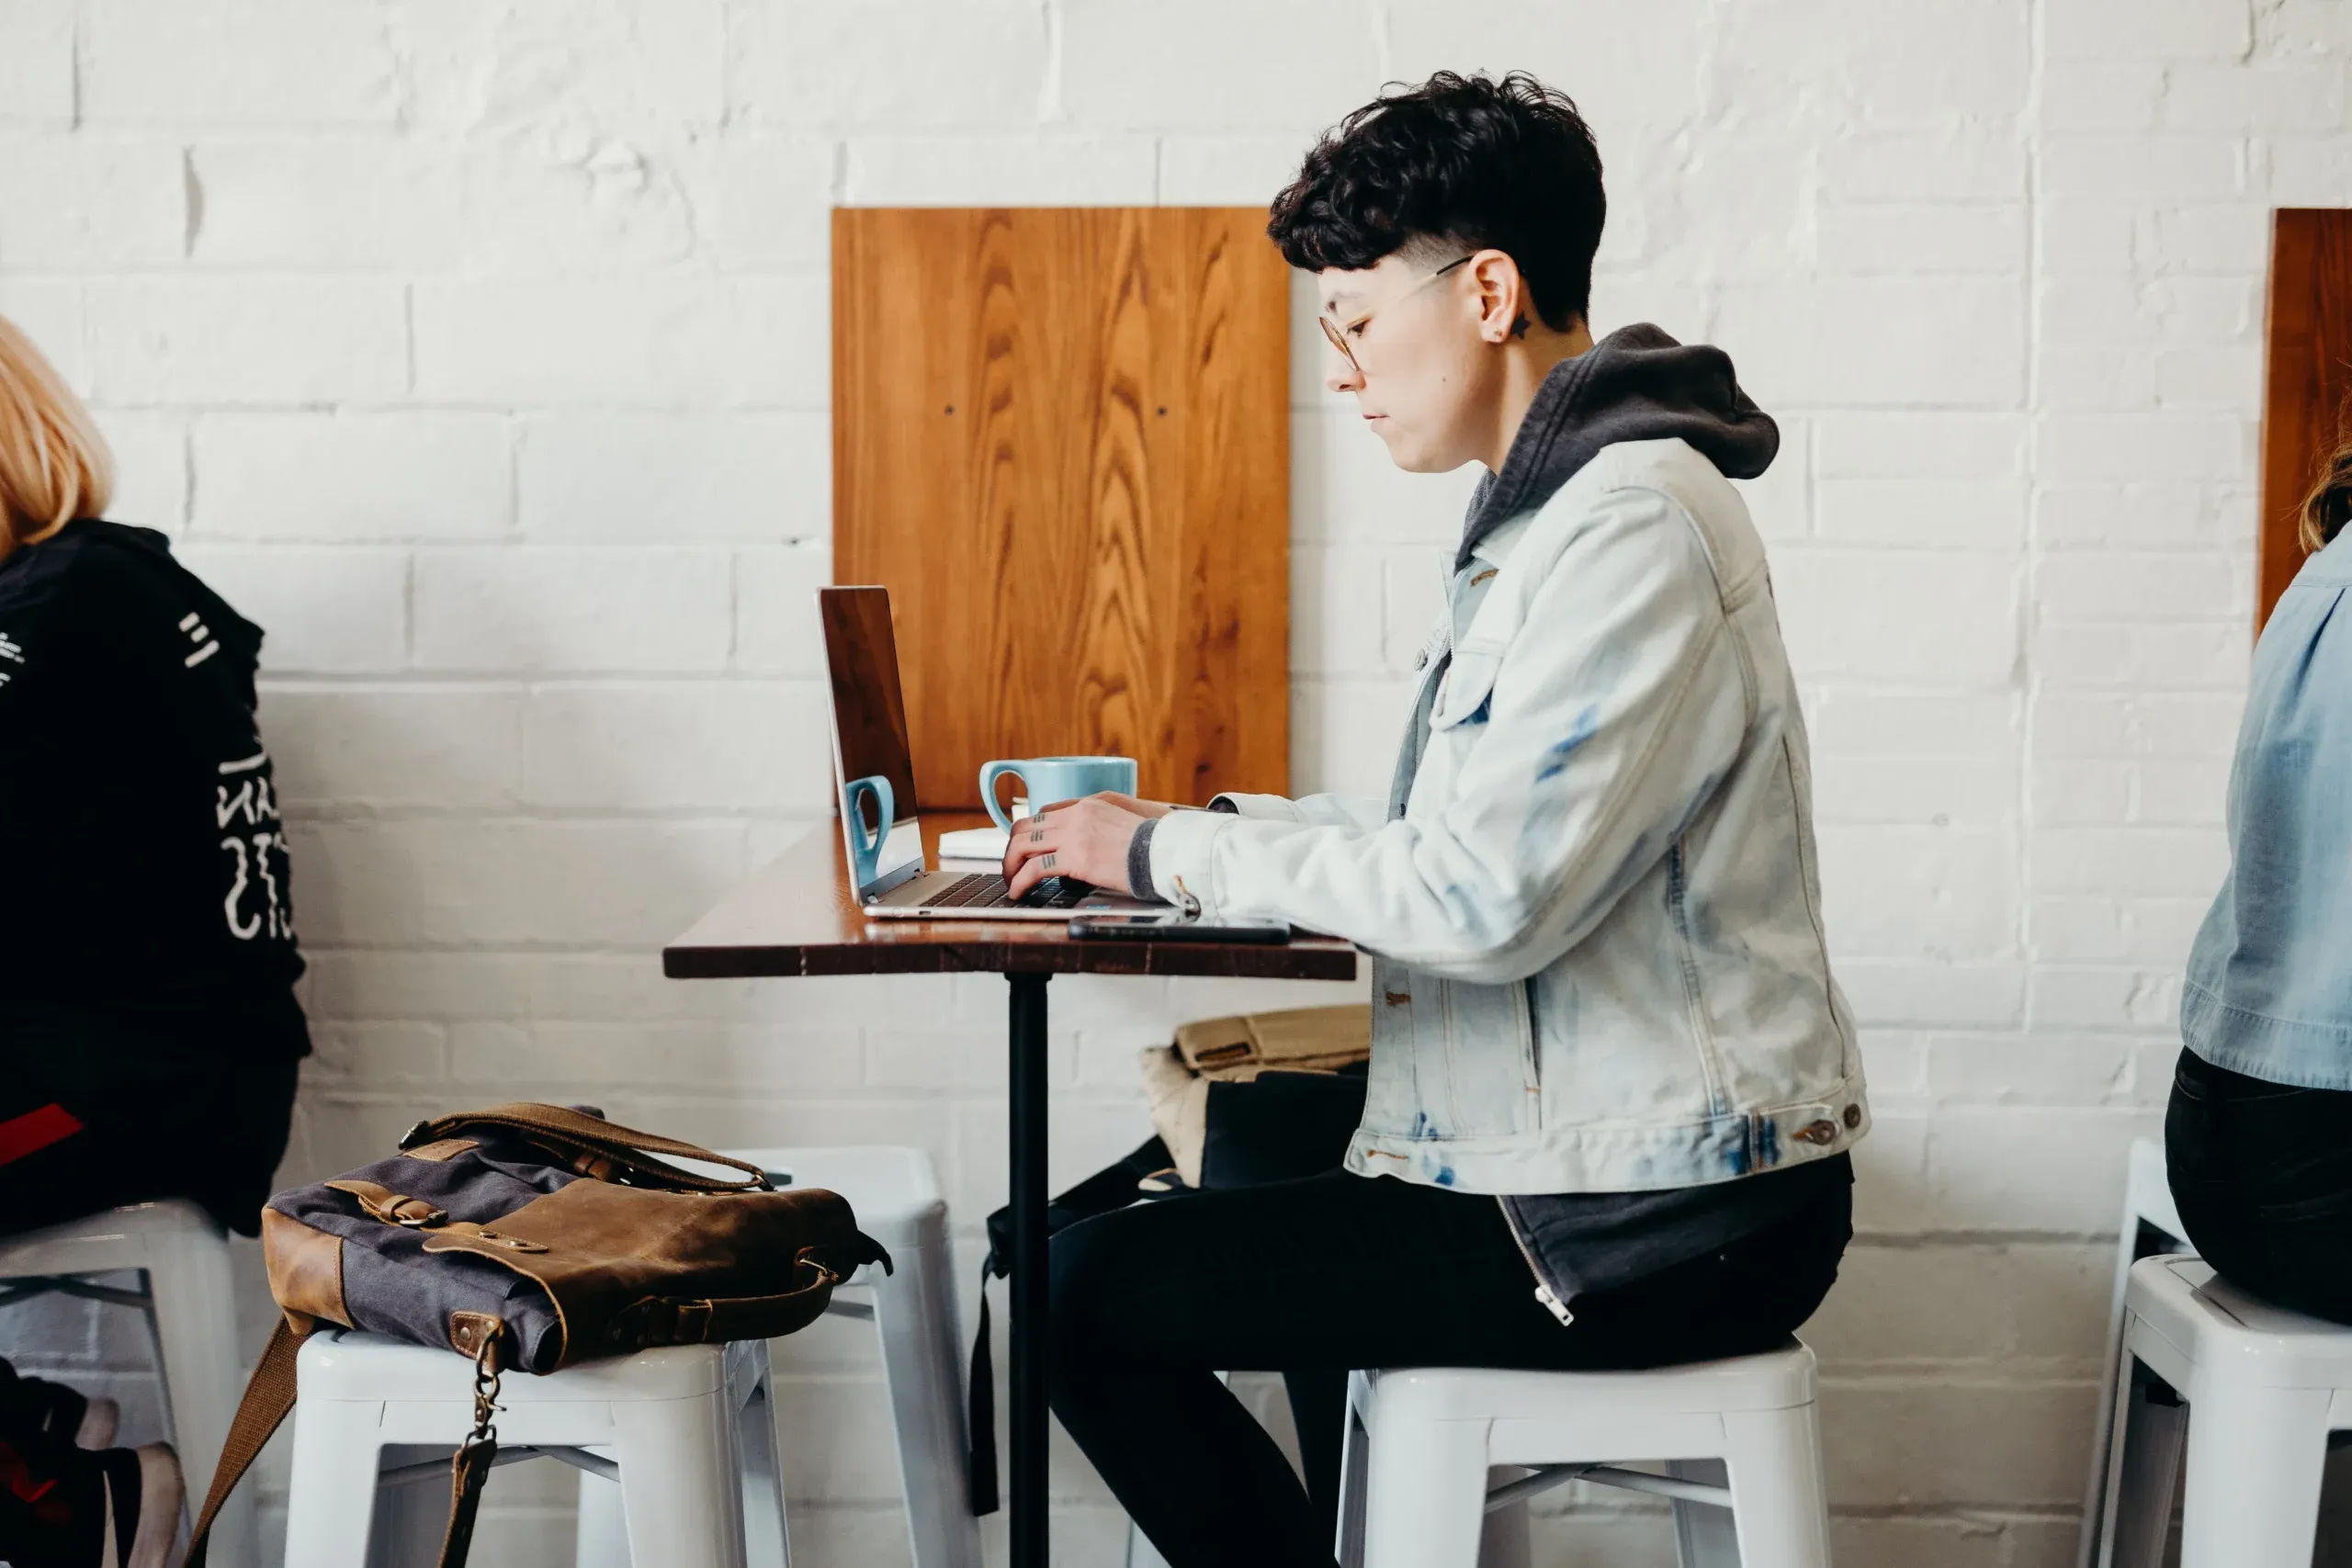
{"type": "Point", "coordinates": [866, 847]}
{"type": "Point", "coordinates": [1048, 779]}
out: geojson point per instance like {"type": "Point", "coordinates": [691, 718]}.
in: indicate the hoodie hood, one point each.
{"type": "Point", "coordinates": [1637, 384]}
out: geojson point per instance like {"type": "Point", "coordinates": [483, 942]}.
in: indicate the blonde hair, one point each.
{"type": "Point", "coordinates": [54, 465]}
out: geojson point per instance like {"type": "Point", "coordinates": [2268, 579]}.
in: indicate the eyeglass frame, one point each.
{"type": "Point", "coordinates": [1335, 334]}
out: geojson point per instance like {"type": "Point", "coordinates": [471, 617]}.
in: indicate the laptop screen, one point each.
{"type": "Point", "coordinates": [870, 724]}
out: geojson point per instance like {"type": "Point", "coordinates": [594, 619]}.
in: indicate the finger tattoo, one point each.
{"type": "Point", "coordinates": [1049, 862]}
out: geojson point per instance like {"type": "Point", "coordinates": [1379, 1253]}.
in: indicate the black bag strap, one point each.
{"type": "Point", "coordinates": [580, 1132]}
{"type": "Point", "coordinates": [983, 1470]}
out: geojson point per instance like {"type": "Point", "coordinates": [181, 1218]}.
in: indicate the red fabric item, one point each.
{"type": "Point", "coordinates": [39, 1493]}
{"type": "Point", "coordinates": [35, 1130]}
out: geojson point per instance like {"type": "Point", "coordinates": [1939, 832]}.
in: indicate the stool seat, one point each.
{"type": "Point", "coordinates": [189, 1301]}
{"type": "Point", "coordinates": [2213, 1327]}
{"type": "Point", "coordinates": [889, 1185]}
{"type": "Point", "coordinates": [895, 1195]}
{"type": "Point", "coordinates": [685, 1429]}
{"type": "Point", "coordinates": [1778, 1379]}
{"type": "Point", "coordinates": [2257, 1388]}
{"type": "Point", "coordinates": [418, 1383]}
{"type": "Point", "coordinates": [1739, 1437]}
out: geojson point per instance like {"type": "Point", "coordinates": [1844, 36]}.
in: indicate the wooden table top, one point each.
{"type": "Point", "coordinates": [797, 916]}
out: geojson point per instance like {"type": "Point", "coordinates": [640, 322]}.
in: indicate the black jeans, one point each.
{"type": "Point", "coordinates": [100, 1107]}
{"type": "Point", "coordinates": [1317, 1276]}
{"type": "Point", "coordinates": [2262, 1173]}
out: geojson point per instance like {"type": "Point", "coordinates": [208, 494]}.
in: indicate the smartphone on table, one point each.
{"type": "Point", "coordinates": [1174, 925]}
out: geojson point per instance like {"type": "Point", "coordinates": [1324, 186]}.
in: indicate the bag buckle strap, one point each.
{"type": "Point", "coordinates": [393, 1208]}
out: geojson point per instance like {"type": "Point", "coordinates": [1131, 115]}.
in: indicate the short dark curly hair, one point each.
{"type": "Point", "coordinates": [1459, 161]}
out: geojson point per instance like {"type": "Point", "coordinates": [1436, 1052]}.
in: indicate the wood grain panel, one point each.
{"type": "Point", "coordinates": [2307, 378]}
{"type": "Point", "coordinates": [1061, 439]}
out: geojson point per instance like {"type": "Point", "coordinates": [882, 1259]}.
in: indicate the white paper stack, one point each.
{"type": "Point", "coordinates": [974, 843]}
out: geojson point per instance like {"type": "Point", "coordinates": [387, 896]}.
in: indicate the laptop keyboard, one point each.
{"type": "Point", "coordinates": [986, 890]}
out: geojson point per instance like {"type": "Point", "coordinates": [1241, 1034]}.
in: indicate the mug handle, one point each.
{"type": "Point", "coordinates": [865, 849]}
{"type": "Point", "coordinates": [988, 776]}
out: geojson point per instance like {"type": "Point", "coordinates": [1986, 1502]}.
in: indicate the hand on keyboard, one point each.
{"type": "Point", "coordinates": [984, 890]}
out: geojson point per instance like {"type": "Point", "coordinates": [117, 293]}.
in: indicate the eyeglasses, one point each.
{"type": "Point", "coordinates": [1338, 335]}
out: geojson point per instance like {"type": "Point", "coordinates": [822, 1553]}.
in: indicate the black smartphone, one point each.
{"type": "Point", "coordinates": [1174, 926]}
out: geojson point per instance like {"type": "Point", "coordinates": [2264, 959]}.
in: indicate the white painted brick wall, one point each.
{"type": "Point", "coordinates": [481, 354]}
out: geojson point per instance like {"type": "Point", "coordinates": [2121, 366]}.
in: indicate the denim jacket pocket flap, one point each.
{"type": "Point", "coordinates": [1469, 680]}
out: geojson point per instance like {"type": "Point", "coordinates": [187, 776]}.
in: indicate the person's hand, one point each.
{"type": "Point", "coordinates": [1085, 839]}
{"type": "Point", "coordinates": [1125, 803]}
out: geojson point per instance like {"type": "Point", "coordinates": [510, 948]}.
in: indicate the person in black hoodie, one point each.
{"type": "Point", "coordinates": [149, 1028]}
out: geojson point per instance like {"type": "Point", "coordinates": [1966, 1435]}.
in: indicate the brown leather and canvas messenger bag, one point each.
{"type": "Point", "coordinates": [527, 1237]}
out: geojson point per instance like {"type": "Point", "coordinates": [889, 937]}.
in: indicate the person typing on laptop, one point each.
{"type": "Point", "coordinates": [1613, 1084]}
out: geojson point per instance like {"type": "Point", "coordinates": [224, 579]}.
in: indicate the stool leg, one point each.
{"type": "Point", "coordinates": [1780, 1505]}
{"type": "Point", "coordinates": [914, 1314]}
{"type": "Point", "coordinates": [602, 1537]}
{"type": "Point", "coordinates": [1705, 1537]}
{"type": "Point", "coordinates": [330, 1495]}
{"type": "Point", "coordinates": [681, 1482]}
{"type": "Point", "coordinates": [767, 1534]}
{"type": "Point", "coordinates": [195, 1323]}
{"type": "Point", "coordinates": [2255, 1456]}
{"type": "Point", "coordinates": [1354, 1461]}
{"type": "Point", "coordinates": [1425, 1492]}
{"type": "Point", "coordinates": [2147, 1425]}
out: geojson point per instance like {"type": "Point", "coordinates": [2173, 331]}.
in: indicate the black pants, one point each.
{"type": "Point", "coordinates": [101, 1107]}
{"type": "Point", "coordinates": [1316, 1277]}
{"type": "Point", "coordinates": [2262, 1173]}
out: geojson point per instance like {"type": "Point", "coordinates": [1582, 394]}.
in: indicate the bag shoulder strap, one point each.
{"type": "Point", "coordinates": [268, 1397]}
{"type": "Point", "coordinates": [623, 1146]}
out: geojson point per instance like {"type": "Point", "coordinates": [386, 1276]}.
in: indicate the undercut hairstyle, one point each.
{"type": "Point", "coordinates": [1456, 164]}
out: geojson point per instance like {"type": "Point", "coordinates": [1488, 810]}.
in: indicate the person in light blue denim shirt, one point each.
{"type": "Point", "coordinates": [2258, 1137]}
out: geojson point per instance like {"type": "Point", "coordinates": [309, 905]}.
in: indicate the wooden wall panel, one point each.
{"type": "Point", "coordinates": [2307, 378]}
{"type": "Point", "coordinates": [1061, 439]}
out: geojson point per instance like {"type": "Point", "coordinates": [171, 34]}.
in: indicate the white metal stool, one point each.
{"type": "Point", "coordinates": [189, 1301]}
{"type": "Point", "coordinates": [685, 1430]}
{"type": "Point", "coordinates": [2151, 1224]}
{"type": "Point", "coordinates": [1740, 1435]}
{"type": "Point", "coordinates": [2264, 1388]}
{"type": "Point", "coordinates": [895, 1195]}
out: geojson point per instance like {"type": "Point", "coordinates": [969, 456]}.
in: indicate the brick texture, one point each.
{"type": "Point", "coordinates": [481, 354]}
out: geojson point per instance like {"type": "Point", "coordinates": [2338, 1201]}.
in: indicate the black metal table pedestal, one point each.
{"type": "Point", "coordinates": [1027, 1493]}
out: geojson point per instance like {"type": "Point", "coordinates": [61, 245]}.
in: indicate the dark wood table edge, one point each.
{"type": "Point", "coordinates": [1319, 960]}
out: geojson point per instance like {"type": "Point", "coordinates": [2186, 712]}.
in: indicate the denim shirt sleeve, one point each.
{"type": "Point", "coordinates": [2268, 991]}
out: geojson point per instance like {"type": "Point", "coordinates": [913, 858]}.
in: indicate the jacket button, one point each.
{"type": "Point", "coordinates": [1823, 1132]}
{"type": "Point", "coordinates": [1853, 1116]}
{"type": "Point", "coordinates": [1421, 659]}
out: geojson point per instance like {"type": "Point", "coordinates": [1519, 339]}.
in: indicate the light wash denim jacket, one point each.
{"type": "Point", "coordinates": [2269, 988]}
{"type": "Point", "coordinates": [1595, 920]}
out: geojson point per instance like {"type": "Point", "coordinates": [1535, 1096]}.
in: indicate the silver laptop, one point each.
{"type": "Point", "coordinates": [870, 742]}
